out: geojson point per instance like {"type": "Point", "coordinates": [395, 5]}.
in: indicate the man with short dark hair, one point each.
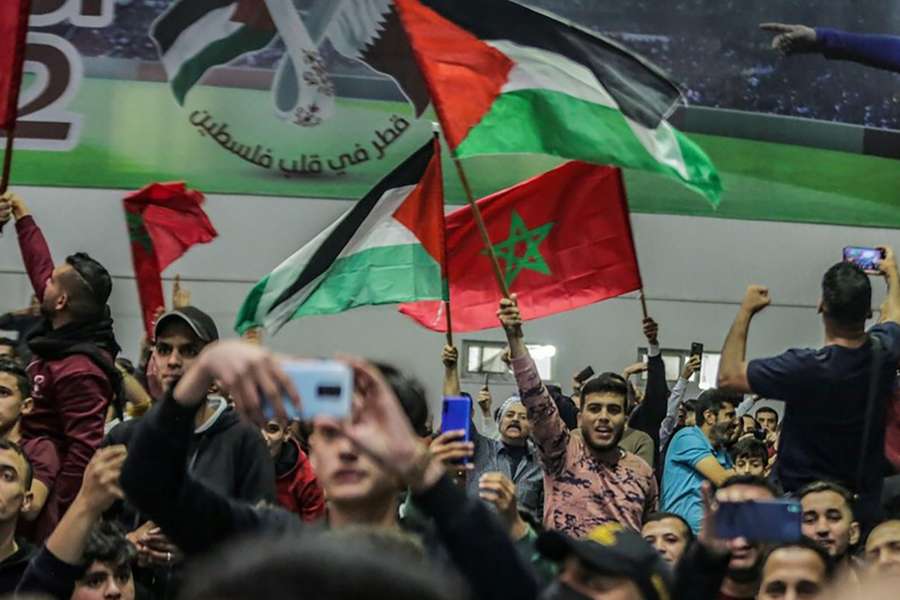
{"type": "Point", "coordinates": [750, 457]}
{"type": "Point", "coordinates": [828, 520]}
{"type": "Point", "coordinates": [767, 417]}
{"type": "Point", "coordinates": [15, 498]}
{"type": "Point", "coordinates": [745, 561]}
{"type": "Point", "coordinates": [108, 557]}
{"type": "Point", "coordinates": [669, 533]}
{"type": "Point", "coordinates": [588, 479]}
{"type": "Point", "coordinates": [826, 390]}
{"type": "Point", "coordinates": [73, 373]}
{"type": "Point", "coordinates": [700, 453]}
{"type": "Point", "coordinates": [798, 569]}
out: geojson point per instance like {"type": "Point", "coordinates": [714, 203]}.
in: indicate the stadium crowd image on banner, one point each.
{"type": "Point", "coordinates": [320, 98]}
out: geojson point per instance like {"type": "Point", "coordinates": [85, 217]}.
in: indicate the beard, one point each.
{"type": "Point", "coordinates": [47, 310]}
{"type": "Point", "coordinates": [746, 575]}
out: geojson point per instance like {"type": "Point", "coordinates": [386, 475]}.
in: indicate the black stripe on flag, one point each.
{"type": "Point", "coordinates": [642, 90]}
{"type": "Point", "coordinates": [410, 172]}
{"type": "Point", "coordinates": [179, 17]}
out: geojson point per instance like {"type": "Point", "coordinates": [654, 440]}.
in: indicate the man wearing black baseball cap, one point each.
{"type": "Point", "coordinates": [227, 454]}
{"type": "Point", "coordinates": [74, 379]}
{"type": "Point", "coordinates": [611, 562]}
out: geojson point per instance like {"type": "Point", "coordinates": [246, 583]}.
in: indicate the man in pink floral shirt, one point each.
{"type": "Point", "coordinates": [588, 479]}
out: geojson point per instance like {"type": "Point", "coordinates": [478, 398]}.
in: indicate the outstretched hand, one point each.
{"type": "Point", "coordinates": [756, 298]}
{"type": "Point", "coordinates": [100, 486]}
{"type": "Point", "coordinates": [792, 39]}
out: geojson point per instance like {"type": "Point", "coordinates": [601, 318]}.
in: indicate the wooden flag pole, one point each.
{"type": "Point", "coordinates": [644, 304]}
{"type": "Point", "coordinates": [479, 222]}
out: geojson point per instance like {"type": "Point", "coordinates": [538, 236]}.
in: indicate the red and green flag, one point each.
{"type": "Point", "coordinates": [507, 79]}
{"type": "Point", "coordinates": [386, 249]}
{"type": "Point", "coordinates": [563, 240]}
{"type": "Point", "coordinates": [164, 221]}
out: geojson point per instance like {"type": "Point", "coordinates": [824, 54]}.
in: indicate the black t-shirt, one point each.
{"type": "Point", "coordinates": [825, 394]}
{"type": "Point", "coordinates": [516, 454]}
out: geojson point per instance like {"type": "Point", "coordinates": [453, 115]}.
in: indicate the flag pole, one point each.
{"type": "Point", "coordinates": [644, 304]}
{"type": "Point", "coordinates": [445, 271]}
{"type": "Point", "coordinates": [479, 222]}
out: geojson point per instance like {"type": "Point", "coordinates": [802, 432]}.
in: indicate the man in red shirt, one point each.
{"type": "Point", "coordinates": [298, 489]}
{"type": "Point", "coordinates": [73, 375]}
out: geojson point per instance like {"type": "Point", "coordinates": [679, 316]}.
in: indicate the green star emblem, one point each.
{"type": "Point", "coordinates": [521, 251]}
{"type": "Point", "coordinates": [137, 232]}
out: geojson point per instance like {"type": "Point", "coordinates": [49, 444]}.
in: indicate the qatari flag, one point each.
{"type": "Point", "coordinates": [13, 29]}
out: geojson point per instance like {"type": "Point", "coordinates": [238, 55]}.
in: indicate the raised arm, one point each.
{"type": "Point", "coordinates": [548, 429]}
{"type": "Point", "coordinates": [890, 310]}
{"type": "Point", "coordinates": [35, 252]}
{"type": "Point", "coordinates": [678, 390]}
{"type": "Point", "coordinates": [733, 364]}
{"type": "Point", "coordinates": [650, 414]}
{"type": "Point", "coordinates": [879, 51]}
{"type": "Point", "coordinates": [450, 358]}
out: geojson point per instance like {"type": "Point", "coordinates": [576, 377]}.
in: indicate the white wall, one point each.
{"type": "Point", "coordinates": [694, 270]}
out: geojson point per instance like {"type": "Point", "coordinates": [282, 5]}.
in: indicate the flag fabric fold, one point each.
{"type": "Point", "coordinates": [13, 31]}
{"type": "Point", "coordinates": [563, 240]}
{"type": "Point", "coordinates": [164, 221]}
{"type": "Point", "coordinates": [507, 78]}
{"type": "Point", "coordinates": [388, 248]}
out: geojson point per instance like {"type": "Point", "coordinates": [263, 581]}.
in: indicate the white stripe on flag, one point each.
{"type": "Point", "coordinates": [538, 69]}
{"type": "Point", "coordinates": [214, 25]}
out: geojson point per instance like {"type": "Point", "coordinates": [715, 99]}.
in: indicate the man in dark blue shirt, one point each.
{"type": "Point", "coordinates": [879, 51]}
{"type": "Point", "coordinates": [825, 390]}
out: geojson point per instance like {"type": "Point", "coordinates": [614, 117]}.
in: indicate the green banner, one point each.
{"type": "Point", "coordinates": [320, 98]}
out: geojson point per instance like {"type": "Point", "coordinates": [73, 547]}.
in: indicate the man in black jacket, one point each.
{"type": "Point", "coordinates": [15, 499]}
{"type": "Point", "coordinates": [197, 518]}
{"type": "Point", "coordinates": [224, 453]}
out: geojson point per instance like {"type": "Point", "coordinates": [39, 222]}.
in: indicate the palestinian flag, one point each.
{"type": "Point", "coordinates": [507, 78]}
{"type": "Point", "coordinates": [193, 36]}
{"type": "Point", "coordinates": [562, 238]}
{"type": "Point", "coordinates": [388, 248]}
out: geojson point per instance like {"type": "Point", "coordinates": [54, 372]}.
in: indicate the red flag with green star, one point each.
{"type": "Point", "coordinates": [563, 240]}
{"type": "Point", "coordinates": [164, 221]}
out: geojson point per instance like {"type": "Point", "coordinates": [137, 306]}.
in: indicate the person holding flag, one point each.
{"type": "Point", "coordinates": [588, 480]}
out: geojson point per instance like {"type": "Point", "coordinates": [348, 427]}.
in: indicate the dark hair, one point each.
{"type": "Point", "coordinates": [690, 406]}
{"type": "Point", "coordinates": [753, 480]}
{"type": "Point", "coordinates": [5, 341]}
{"type": "Point", "coordinates": [29, 469]}
{"type": "Point", "coordinates": [846, 294]}
{"type": "Point", "coordinates": [713, 399]}
{"type": "Point", "coordinates": [89, 288]}
{"type": "Point", "coordinates": [108, 544]}
{"type": "Point", "coordinates": [321, 568]}
{"type": "Point", "coordinates": [805, 544]}
{"type": "Point", "coordinates": [817, 487]}
{"type": "Point", "coordinates": [411, 394]}
{"type": "Point", "coordinates": [23, 382]}
{"type": "Point", "coordinates": [767, 409]}
{"type": "Point", "coordinates": [659, 516]}
{"type": "Point", "coordinates": [606, 383]}
{"type": "Point", "coordinates": [751, 448]}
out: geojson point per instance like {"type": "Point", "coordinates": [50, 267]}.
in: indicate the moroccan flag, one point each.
{"type": "Point", "coordinates": [164, 221]}
{"type": "Point", "coordinates": [387, 248]}
{"type": "Point", "coordinates": [563, 240]}
{"type": "Point", "coordinates": [193, 36]}
{"type": "Point", "coordinates": [13, 30]}
{"type": "Point", "coordinates": [506, 78]}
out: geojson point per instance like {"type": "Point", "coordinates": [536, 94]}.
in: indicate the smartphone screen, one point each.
{"type": "Point", "coordinates": [867, 259]}
{"type": "Point", "coordinates": [764, 521]}
{"type": "Point", "coordinates": [457, 415]}
{"type": "Point", "coordinates": [585, 374]}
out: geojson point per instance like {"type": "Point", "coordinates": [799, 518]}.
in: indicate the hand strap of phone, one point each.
{"type": "Point", "coordinates": [871, 402]}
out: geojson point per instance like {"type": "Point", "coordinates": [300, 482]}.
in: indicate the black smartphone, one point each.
{"type": "Point", "coordinates": [697, 349]}
{"type": "Point", "coordinates": [585, 374]}
{"type": "Point", "coordinates": [866, 258]}
{"type": "Point", "coordinates": [763, 521]}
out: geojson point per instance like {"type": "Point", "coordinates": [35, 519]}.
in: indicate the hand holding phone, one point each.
{"type": "Point", "coordinates": [584, 374]}
{"type": "Point", "coordinates": [456, 415]}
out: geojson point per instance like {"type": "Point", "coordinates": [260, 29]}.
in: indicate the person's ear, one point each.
{"type": "Point", "coordinates": [27, 498]}
{"type": "Point", "coordinates": [855, 533]}
{"type": "Point", "coordinates": [27, 405]}
{"type": "Point", "coordinates": [62, 301]}
{"type": "Point", "coordinates": [709, 417]}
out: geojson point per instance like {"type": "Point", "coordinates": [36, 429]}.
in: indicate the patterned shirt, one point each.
{"type": "Point", "coordinates": [581, 491]}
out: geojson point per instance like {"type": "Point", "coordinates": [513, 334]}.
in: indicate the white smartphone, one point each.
{"type": "Point", "coordinates": [325, 388]}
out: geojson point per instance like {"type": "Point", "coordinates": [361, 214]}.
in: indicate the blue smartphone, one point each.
{"type": "Point", "coordinates": [456, 414]}
{"type": "Point", "coordinates": [763, 521]}
{"type": "Point", "coordinates": [325, 388]}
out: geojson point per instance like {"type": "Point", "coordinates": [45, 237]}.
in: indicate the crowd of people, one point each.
{"type": "Point", "coordinates": [163, 479]}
